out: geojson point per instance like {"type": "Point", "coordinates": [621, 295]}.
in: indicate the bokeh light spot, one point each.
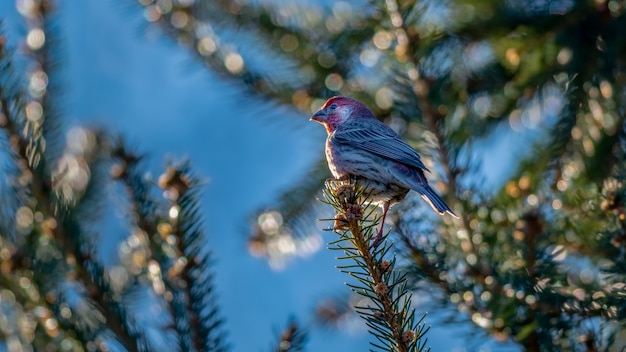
{"type": "Point", "coordinates": [35, 39]}
{"type": "Point", "coordinates": [206, 46]}
{"type": "Point", "coordinates": [369, 57]}
{"type": "Point", "coordinates": [270, 222]}
{"type": "Point", "coordinates": [234, 63]}
{"type": "Point", "coordinates": [587, 276]}
{"type": "Point", "coordinates": [564, 56]}
{"type": "Point", "coordinates": [174, 211]}
{"type": "Point", "coordinates": [342, 9]}
{"type": "Point", "coordinates": [25, 7]}
{"type": "Point", "coordinates": [512, 56]}
{"type": "Point", "coordinates": [301, 99]}
{"type": "Point", "coordinates": [382, 40]}
{"type": "Point", "coordinates": [51, 325]}
{"type": "Point", "coordinates": [80, 140]}
{"type": "Point", "coordinates": [152, 13]}
{"type": "Point", "coordinates": [606, 89]}
{"type": "Point", "coordinates": [333, 81]}
{"type": "Point", "coordinates": [532, 200]}
{"type": "Point", "coordinates": [579, 294]}
{"type": "Point", "coordinates": [524, 182]}
{"type": "Point", "coordinates": [289, 42]}
{"type": "Point", "coordinates": [334, 24]}
{"type": "Point", "coordinates": [480, 320]}
{"type": "Point", "coordinates": [66, 312]}
{"type": "Point", "coordinates": [482, 105]}
{"type": "Point", "coordinates": [24, 217]}
{"type": "Point", "coordinates": [327, 59]}
{"type": "Point", "coordinates": [384, 98]}
{"type": "Point", "coordinates": [455, 298]}
{"type": "Point", "coordinates": [165, 6]}
{"type": "Point", "coordinates": [512, 190]}
{"type": "Point", "coordinates": [179, 19]}
{"type": "Point", "coordinates": [38, 84]}
{"type": "Point", "coordinates": [34, 111]}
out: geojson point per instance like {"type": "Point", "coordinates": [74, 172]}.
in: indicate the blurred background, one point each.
{"type": "Point", "coordinates": [516, 106]}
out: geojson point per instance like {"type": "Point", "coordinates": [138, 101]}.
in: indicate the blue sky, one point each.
{"type": "Point", "coordinates": [122, 75]}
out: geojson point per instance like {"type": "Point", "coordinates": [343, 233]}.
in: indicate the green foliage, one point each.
{"type": "Point", "coordinates": [292, 339]}
{"type": "Point", "coordinates": [387, 313]}
{"type": "Point", "coordinates": [536, 256]}
{"type": "Point", "coordinates": [56, 292]}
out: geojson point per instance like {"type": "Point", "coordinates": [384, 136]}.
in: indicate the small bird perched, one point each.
{"type": "Point", "coordinates": [361, 146]}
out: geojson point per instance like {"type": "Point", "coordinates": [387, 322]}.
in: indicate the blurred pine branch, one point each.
{"type": "Point", "coordinates": [536, 255]}
{"type": "Point", "coordinates": [291, 339]}
{"type": "Point", "coordinates": [54, 281]}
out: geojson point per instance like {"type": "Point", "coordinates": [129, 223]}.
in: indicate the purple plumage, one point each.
{"type": "Point", "coordinates": [360, 145]}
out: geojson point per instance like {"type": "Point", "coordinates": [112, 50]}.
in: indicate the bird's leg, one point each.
{"type": "Point", "coordinates": [379, 237]}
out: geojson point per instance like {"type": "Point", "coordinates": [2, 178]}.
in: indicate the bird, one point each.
{"type": "Point", "coordinates": [360, 146]}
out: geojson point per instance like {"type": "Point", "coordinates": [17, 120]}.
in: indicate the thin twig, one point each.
{"type": "Point", "coordinates": [385, 289]}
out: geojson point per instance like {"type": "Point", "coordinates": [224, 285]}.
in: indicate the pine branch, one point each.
{"type": "Point", "coordinates": [18, 277]}
{"type": "Point", "coordinates": [72, 239]}
{"type": "Point", "coordinates": [148, 210]}
{"type": "Point", "coordinates": [43, 108]}
{"type": "Point", "coordinates": [433, 118]}
{"type": "Point", "coordinates": [389, 317]}
{"type": "Point", "coordinates": [26, 138]}
{"type": "Point", "coordinates": [297, 202]}
{"type": "Point", "coordinates": [292, 339]}
{"type": "Point", "coordinates": [406, 52]}
{"type": "Point", "coordinates": [198, 26]}
{"type": "Point", "coordinates": [175, 243]}
{"type": "Point", "coordinates": [196, 314]}
{"type": "Point", "coordinates": [295, 78]}
{"type": "Point", "coordinates": [296, 208]}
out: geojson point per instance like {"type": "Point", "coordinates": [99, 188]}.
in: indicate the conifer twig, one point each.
{"type": "Point", "coordinates": [291, 339]}
{"type": "Point", "coordinates": [188, 274]}
{"type": "Point", "coordinates": [433, 118]}
{"type": "Point", "coordinates": [39, 187]}
{"type": "Point", "coordinates": [389, 316]}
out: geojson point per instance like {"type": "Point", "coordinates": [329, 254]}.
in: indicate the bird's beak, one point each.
{"type": "Point", "coordinates": [319, 116]}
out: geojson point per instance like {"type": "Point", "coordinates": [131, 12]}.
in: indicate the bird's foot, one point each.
{"type": "Point", "coordinates": [334, 183]}
{"type": "Point", "coordinates": [378, 239]}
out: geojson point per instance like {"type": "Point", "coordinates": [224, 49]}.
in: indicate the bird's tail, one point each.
{"type": "Point", "coordinates": [434, 200]}
{"type": "Point", "coordinates": [415, 179]}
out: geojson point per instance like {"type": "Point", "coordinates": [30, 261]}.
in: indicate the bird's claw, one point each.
{"type": "Point", "coordinates": [333, 183]}
{"type": "Point", "coordinates": [378, 239]}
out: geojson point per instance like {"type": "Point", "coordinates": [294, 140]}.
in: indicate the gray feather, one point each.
{"type": "Point", "coordinates": [382, 141]}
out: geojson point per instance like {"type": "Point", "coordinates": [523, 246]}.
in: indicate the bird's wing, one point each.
{"type": "Point", "coordinates": [383, 142]}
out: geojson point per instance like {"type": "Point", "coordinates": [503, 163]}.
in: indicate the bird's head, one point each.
{"type": "Point", "coordinates": [338, 110]}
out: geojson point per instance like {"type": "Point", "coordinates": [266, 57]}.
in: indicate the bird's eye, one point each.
{"type": "Point", "coordinates": [333, 106]}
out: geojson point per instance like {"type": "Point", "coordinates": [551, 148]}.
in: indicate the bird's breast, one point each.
{"type": "Point", "coordinates": [334, 159]}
